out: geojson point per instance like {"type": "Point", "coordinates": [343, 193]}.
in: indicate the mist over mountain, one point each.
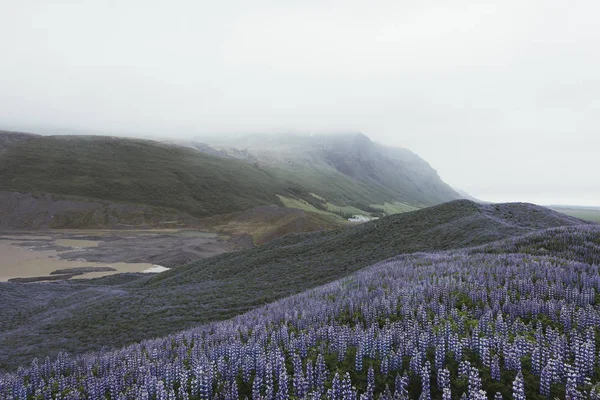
{"type": "Point", "coordinates": [299, 200]}
{"type": "Point", "coordinates": [106, 178]}
{"type": "Point", "coordinates": [397, 173]}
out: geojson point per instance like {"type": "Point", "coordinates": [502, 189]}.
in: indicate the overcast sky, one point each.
{"type": "Point", "coordinates": [501, 97]}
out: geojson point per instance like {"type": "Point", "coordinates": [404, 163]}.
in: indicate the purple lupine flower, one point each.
{"type": "Point", "coordinates": [282, 392]}
{"type": "Point", "coordinates": [447, 394]}
{"type": "Point", "coordinates": [474, 384]}
{"type": "Point", "coordinates": [464, 368]}
{"type": "Point", "coordinates": [443, 379]}
{"type": "Point", "coordinates": [335, 393]}
{"type": "Point", "coordinates": [384, 366]}
{"type": "Point", "coordinates": [440, 357]}
{"type": "Point", "coordinates": [269, 384]}
{"type": "Point", "coordinates": [358, 361]}
{"type": "Point", "coordinates": [547, 378]}
{"type": "Point", "coordinates": [321, 373]}
{"type": "Point", "coordinates": [370, 393]}
{"type": "Point", "coordinates": [256, 387]}
{"type": "Point", "coordinates": [495, 368]}
{"type": "Point", "coordinates": [426, 382]}
{"type": "Point", "coordinates": [401, 387]}
{"type": "Point", "coordinates": [348, 392]}
{"type": "Point", "coordinates": [310, 375]}
{"type": "Point", "coordinates": [518, 387]}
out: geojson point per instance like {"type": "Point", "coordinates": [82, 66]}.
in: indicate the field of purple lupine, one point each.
{"type": "Point", "coordinates": [91, 315]}
{"type": "Point", "coordinates": [515, 319]}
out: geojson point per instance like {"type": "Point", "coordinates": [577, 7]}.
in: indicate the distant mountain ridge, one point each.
{"type": "Point", "coordinates": [391, 174]}
{"type": "Point", "coordinates": [335, 176]}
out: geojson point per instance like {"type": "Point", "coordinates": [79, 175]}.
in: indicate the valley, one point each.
{"type": "Point", "coordinates": [127, 266]}
{"type": "Point", "coordinates": [299, 200]}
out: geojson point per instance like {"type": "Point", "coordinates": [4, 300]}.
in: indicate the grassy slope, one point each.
{"type": "Point", "coordinates": [337, 187]}
{"type": "Point", "coordinates": [395, 208]}
{"type": "Point", "coordinates": [588, 214]}
{"type": "Point", "coordinates": [268, 222]}
{"type": "Point", "coordinates": [199, 184]}
{"type": "Point", "coordinates": [138, 172]}
{"type": "Point", "coordinates": [90, 315]}
{"type": "Point", "coordinates": [314, 258]}
{"type": "Point", "coordinates": [339, 194]}
{"type": "Point", "coordinates": [9, 139]}
{"type": "Point", "coordinates": [346, 169]}
{"type": "Point", "coordinates": [26, 211]}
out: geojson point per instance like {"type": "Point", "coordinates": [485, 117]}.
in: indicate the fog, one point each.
{"type": "Point", "coordinates": [501, 97]}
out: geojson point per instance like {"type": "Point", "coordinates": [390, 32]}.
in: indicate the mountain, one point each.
{"type": "Point", "coordinates": [25, 211]}
{"type": "Point", "coordinates": [134, 171]}
{"type": "Point", "coordinates": [347, 169]}
{"type": "Point", "coordinates": [333, 176]}
{"type": "Point", "coordinates": [79, 316]}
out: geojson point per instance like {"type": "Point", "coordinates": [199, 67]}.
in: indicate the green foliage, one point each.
{"type": "Point", "coordinates": [137, 172]}
{"type": "Point", "coordinates": [346, 169]}
{"type": "Point", "coordinates": [588, 214]}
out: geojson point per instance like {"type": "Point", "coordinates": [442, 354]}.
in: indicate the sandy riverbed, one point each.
{"type": "Point", "coordinates": [20, 262]}
{"type": "Point", "coordinates": [26, 254]}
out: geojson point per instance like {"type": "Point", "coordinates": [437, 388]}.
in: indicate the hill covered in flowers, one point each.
{"type": "Point", "coordinates": [81, 316]}
{"type": "Point", "coordinates": [515, 319]}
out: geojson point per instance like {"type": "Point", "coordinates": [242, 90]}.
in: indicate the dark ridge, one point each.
{"type": "Point", "coordinates": [62, 277]}
{"type": "Point", "coordinates": [81, 270]}
{"type": "Point", "coordinates": [456, 224]}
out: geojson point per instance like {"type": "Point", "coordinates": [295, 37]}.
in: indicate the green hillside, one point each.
{"type": "Point", "coordinates": [265, 223]}
{"type": "Point", "coordinates": [88, 315]}
{"type": "Point", "coordinates": [456, 224]}
{"type": "Point", "coordinates": [591, 214]}
{"type": "Point", "coordinates": [136, 171]}
{"type": "Point", "coordinates": [335, 176]}
{"type": "Point", "coordinates": [346, 169]}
